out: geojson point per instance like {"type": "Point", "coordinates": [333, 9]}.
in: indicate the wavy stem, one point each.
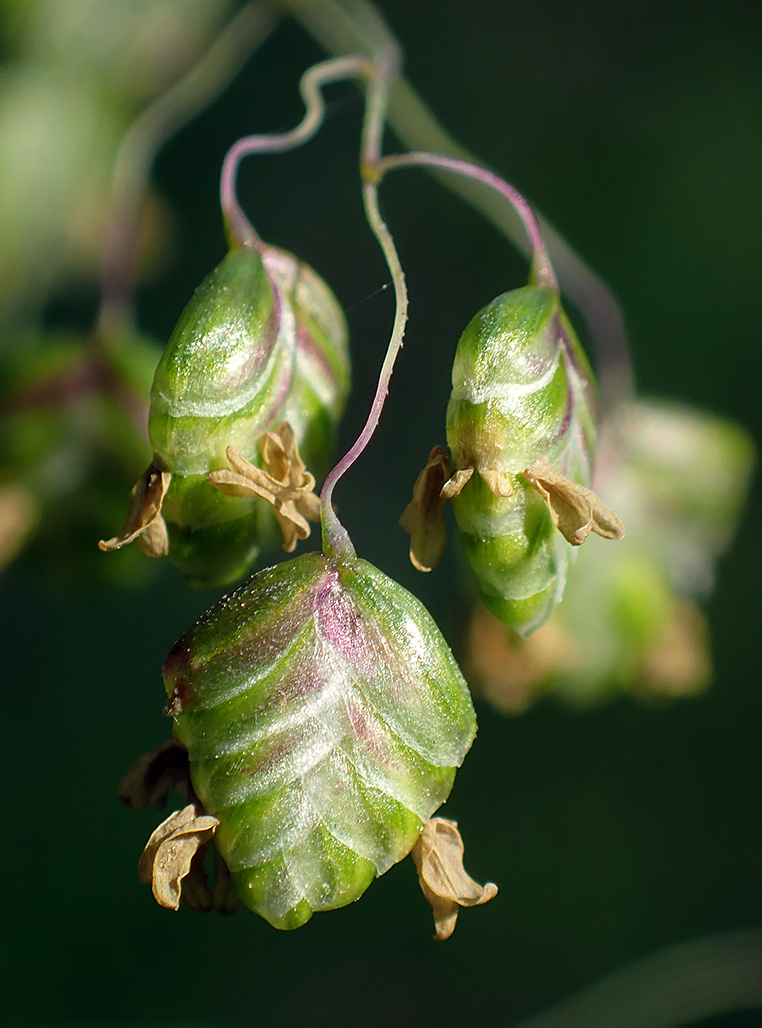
{"type": "Point", "coordinates": [541, 269]}
{"type": "Point", "coordinates": [378, 74]}
{"type": "Point", "coordinates": [237, 226]}
{"type": "Point", "coordinates": [336, 542]}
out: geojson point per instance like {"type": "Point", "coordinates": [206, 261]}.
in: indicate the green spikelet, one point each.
{"type": "Point", "coordinates": [263, 341]}
{"type": "Point", "coordinates": [522, 390]}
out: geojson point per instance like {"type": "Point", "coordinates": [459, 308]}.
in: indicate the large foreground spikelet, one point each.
{"type": "Point", "coordinates": [324, 717]}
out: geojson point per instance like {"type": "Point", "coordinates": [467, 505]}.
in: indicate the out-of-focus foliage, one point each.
{"type": "Point", "coordinates": [51, 224]}
{"type": "Point", "coordinates": [135, 48]}
{"type": "Point", "coordinates": [75, 76]}
{"type": "Point", "coordinates": [629, 620]}
{"type": "Point", "coordinates": [73, 406]}
{"type": "Point", "coordinates": [72, 437]}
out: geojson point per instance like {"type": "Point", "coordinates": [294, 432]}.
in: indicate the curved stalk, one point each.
{"type": "Point", "coordinates": [237, 226]}
{"type": "Point", "coordinates": [378, 74]}
{"type": "Point", "coordinates": [336, 541]}
{"type": "Point", "coordinates": [541, 270]}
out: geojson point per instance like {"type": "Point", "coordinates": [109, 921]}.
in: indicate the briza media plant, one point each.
{"type": "Point", "coordinates": [318, 714]}
{"type": "Point", "coordinates": [322, 712]}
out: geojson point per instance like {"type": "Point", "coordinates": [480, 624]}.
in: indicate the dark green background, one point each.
{"type": "Point", "coordinates": [636, 128]}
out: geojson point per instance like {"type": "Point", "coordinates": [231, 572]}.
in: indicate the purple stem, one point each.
{"type": "Point", "coordinates": [239, 229]}
{"type": "Point", "coordinates": [381, 75]}
{"type": "Point", "coordinates": [336, 541]}
{"type": "Point", "coordinates": [541, 270]}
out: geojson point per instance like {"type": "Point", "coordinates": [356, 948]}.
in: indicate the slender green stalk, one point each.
{"type": "Point", "coordinates": [378, 75]}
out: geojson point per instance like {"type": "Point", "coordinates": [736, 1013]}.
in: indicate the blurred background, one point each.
{"type": "Point", "coordinates": [615, 830]}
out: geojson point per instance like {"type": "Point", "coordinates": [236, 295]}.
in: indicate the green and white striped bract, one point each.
{"type": "Point", "coordinates": [263, 341]}
{"type": "Point", "coordinates": [522, 391]}
{"type": "Point", "coordinates": [324, 717]}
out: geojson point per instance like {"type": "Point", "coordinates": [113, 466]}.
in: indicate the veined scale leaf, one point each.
{"type": "Point", "coordinates": [324, 717]}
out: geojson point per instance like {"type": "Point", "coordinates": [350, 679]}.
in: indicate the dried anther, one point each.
{"type": "Point", "coordinates": [498, 481]}
{"type": "Point", "coordinates": [455, 484]}
{"type": "Point", "coordinates": [576, 511]}
{"type": "Point", "coordinates": [423, 517]}
{"type": "Point", "coordinates": [438, 856]}
{"type": "Point", "coordinates": [284, 483]}
{"type": "Point", "coordinates": [508, 670]}
{"type": "Point", "coordinates": [170, 852]}
{"type": "Point", "coordinates": [153, 775]}
{"type": "Point", "coordinates": [678, 663]}
{"type": "Point", "coordinates": [144, 521]}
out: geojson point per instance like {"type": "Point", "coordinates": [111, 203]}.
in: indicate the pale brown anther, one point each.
{"type": "Point", "coordinates": [508, 670]}
{"type": "Point", "coordinates": [423, 517]}
{"type": "Point", "coordinates": [438, 856]}
{"type": "Point", "coordinates": [284, 483]}
{"type": "Point", "coordinates": [170, 851]}
{"type": "Point", "coordinates": [497, 480]}
{"type": "Point", "coordinates": [575, 510]}
{"type": "Point", "coordinates": [455, 485]}
{"type": "Point", "coordinates": [153, 775]}
{"type": "Point", "coordinates": [196, 892]}
{"type": "Point", "coordinates": [144, 521]}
